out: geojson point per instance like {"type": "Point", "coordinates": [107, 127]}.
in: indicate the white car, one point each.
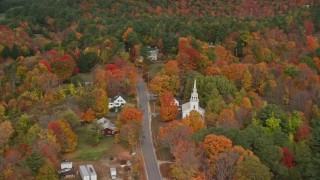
{"type": "Point", "coordinates": [64, 170]}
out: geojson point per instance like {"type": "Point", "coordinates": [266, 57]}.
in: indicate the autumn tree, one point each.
{"type": "Point", "coordinates": [62, 66]}
{"type": "Point", "coordinates": [129, 125]}
{"type": "Point", "coordinates": [88, 115]}
{"type": "Point", "coordinates": [312, 43]}
{"type": "Point", "coordinates": [213, 145]}
{"type": "Point", "coordinates": [247, 80]}
{"type": "Point", "coordinates": [48, 146]}
{"type": "Point", "coordinates": [194, 120]}
{"type": "Point", "coordinates": [252, 168]}
{"type": "Point", "coordinates": [130, 114]}
{"type": "Point", "coordinates": [171, 68]}
{"type": "Point", "coordinates": [174, 133]}
{"type": "Point", "coordinates": [186, 160]}
{"type": "Point", "coordinates": [303, 132]}
{"type": "Point", "coordinates": [100, 77]}
{"type": "Point", "coordinates": [288, 159]}
{"type": "Point", "coordinates": [5, 133]}
{"type": "Point", "coordinates": [64, 134]}
{"type": "Point", "coordinates": [169, 109]}
{"type": "Point", "coordinates": [47, 171]}
{"type": "Point", "coordinates": [162, 83]}
{"type": "Point", "coordinates": [188, 57]}
{"type": "Point", "coordinates": [101, 102]}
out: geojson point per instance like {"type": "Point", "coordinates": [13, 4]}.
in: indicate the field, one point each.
{"type": "Point", "coordinates": [87, 152]}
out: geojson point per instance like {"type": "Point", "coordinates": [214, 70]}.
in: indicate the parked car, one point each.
{"type": "Point", "coordinates": [113, 173]}
{"type": "Point", "coordinates": [64, 170]}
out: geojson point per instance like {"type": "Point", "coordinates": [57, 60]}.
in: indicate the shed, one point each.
{"type": "Point", "coordinates": [84, 173]}
{"type": "Point", "coordinates": [92, 172]}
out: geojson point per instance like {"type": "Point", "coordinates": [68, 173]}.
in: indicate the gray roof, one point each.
{"type": "Point", "coordinates": [106, 123]}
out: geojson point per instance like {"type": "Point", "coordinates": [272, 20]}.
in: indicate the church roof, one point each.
{"type": "Point", "coordinates": [186, 106]}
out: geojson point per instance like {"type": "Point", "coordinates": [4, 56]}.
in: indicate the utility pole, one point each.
{"type": "Point", "coordinates": [154, 108]}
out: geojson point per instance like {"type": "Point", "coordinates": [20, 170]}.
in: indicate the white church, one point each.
{"type": "Point", "coordinates": [193, 104]}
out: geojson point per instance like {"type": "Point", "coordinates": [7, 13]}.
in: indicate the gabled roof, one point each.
{"type": "Point", "coordinates": [117, 96]}
{"type": "Point", "coordinates": [106, 123]}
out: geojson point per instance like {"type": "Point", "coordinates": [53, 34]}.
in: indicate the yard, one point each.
{"type": "Point", "coordinates": [87, 152]}
{"type": "Point", "coordinates": [103, 156]}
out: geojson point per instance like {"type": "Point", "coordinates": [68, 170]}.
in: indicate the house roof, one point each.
{"type": "Point", "coordinates": [106, 123]}
{"type": "Point", "coordinates": [117, 96]}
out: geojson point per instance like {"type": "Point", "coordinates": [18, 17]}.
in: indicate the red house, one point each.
{"type": "Point", "coordinates": [108, 127]}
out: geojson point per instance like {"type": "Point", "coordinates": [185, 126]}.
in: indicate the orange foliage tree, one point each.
{"type": "Point", "coordinates": [130, 114]}
{"type": "Point", "coordinates": [214, 144]}
{"type": "Point", "coordinates": [162, 83]}
{"type": "Point", "coordinates": [194, 120]}
{"type": "Point", "coordinates": [89, 115]}
{"type": "Point", "coordinates": [169, 110]}
{"type": "Point", "coordinates": [188, 57]}
{"type": "Point", "coordinates": [64, 134]}
{"type": "Point", "coordinates": [171, 68]}
{"type": "Point", "coordinates": [312, 43]}
{"type": "Point", "coordinates": [129, 125]}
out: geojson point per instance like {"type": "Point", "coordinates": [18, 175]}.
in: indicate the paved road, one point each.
{"type": "Point", "coordinates": [149, 157]}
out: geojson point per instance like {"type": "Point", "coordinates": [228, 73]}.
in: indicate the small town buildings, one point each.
{"type": "Point", "coordinates": [193, 104]}
{"type": "Point", "coordinates": [92, 172]}
{"type": "Point", "coordinates": [84, 173]}
{"type": "Point", "coordinates": [68, 174]}
{"type": "Point", "coordinates": [66, 164]}
{"type": "Point", "coordinates": [117, 101]}
{"type": "Point", "coordinates": [87, 172]}
{"type": "Point", "coordinates": [108, 127]}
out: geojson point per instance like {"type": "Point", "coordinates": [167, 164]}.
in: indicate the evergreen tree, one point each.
{"type": "Point", "coordinates": [34, 161]}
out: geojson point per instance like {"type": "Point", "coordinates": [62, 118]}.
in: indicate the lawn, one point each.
{"type": "Point", "coordinates": [155, 69]}
{"type": "Point", "coordinates": [2, 17]}
{"type": "Point", "coordinates": [87, 152]}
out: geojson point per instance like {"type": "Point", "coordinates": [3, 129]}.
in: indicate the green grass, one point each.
{"type": "Point", "coordinates": [2, 17]}
{"type": "Point", "coordinates": [155, 68]}
{"type": "Point", "coordinates": [87, 152]}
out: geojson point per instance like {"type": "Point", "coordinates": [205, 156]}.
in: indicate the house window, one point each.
{"type": "Point", "coordinates": [117, 104]}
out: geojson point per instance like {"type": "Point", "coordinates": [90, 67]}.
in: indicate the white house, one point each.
{"type": "Point", "coordinates": [117, 101]}
{"type": "Point", "coordinates": [153, 54]}
{"type": "Point", "coordinates": [193, 104]}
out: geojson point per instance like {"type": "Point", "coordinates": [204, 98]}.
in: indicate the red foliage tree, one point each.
{"type": "Point", "coordinates": [303, 132]}
{"type": "Point", "coordinates": [169, 110]}
{"type": "Point", "coordinates": [12, 157]}
{"type": "Point", "coordinates": [111, 67]}
{"type": "Point", "coordinates": [287, 159]}
{"type": "Point", "coordinates": [46, 64]}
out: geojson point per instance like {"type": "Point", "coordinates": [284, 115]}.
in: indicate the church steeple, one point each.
{"type": "Point", "coordinates": [194, 100]}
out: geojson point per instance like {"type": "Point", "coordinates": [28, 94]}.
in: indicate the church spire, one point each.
{"type": "Point", "coordinates": [194, 94]}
